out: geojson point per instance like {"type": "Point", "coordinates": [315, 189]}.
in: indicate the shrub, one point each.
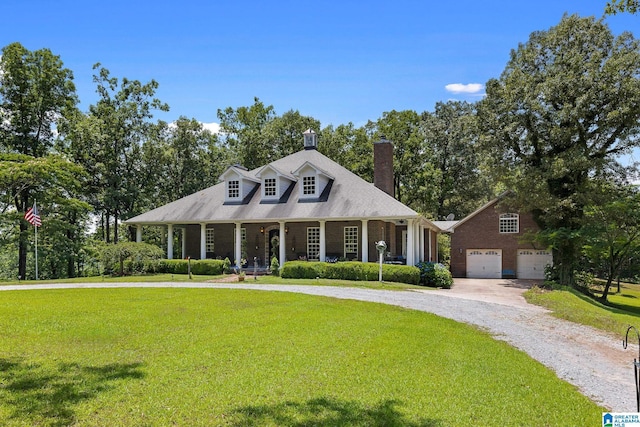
{"type": "Point", "coordinates": [300, 270]}
{"type": "Point", "coordinates": [131, 255]}
{"type": "Point", "coordinates": [350, 270]}
{"type": "Point", "coordinates": [226, 266]}
{"type": "Point", "coordinates": [211, 267]}
{"type": "Point", "coordinates": [435, 275]}
{"type": "Point", "coordinates": [275, 266]}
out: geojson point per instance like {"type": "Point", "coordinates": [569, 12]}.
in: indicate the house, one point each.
{"type": "Point", "coordinates": [491, 243]}
{"type": "Point", "coordinates": [302, 206]}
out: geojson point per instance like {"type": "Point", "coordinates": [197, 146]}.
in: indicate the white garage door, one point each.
{"type": "Point", "coordinates": [484, 263]}
{"type": "Point", "coordinates": [531, 263]}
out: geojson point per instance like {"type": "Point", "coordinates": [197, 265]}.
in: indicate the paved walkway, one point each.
{"type": "Point", "coordinates": [587, 358]}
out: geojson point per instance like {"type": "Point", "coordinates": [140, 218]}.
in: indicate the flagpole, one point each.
{"type": "Point", "coordinates": [36, 227]}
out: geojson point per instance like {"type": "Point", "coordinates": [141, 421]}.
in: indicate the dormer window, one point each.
{"type": "Point", "coordinates": [309, 185]}
{"type": "Point", "coordinates": [314, 184]}
{"type": "Point", "coordinates": [239, 185]}
{"type": "Point", "coordinates": [270, 187]}
{"type": "Point", "coordinates": [233, 189]}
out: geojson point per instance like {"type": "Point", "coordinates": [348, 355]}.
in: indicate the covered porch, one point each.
{"type": "Point", "coordinates": [409, 240]}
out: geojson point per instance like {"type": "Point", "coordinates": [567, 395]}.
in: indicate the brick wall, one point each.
{"type": "Point", "coordinates": [482, 232]}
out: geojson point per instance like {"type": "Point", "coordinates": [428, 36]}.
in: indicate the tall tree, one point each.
{"type": "Point", "coordinates": [108, 141]}
{"type": "Point", "coordinates": [35, 91]}
{"type": "Point", "coordinates": [459, 183]}
{"type": "Point", "coordinates": [402, 128]}
{"type": "Point", "coordinates": [243, 132]}
{"type": "Point", "coordinates": [567, 103]}
{"type": "Point", "coordinates": [612, 230]}
{"type": "Point", "coordinates": [349, 146]}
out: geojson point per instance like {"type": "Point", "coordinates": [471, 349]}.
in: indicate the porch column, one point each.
{"type": "Point", "coordinates": [184, 243]}
{"type": "Point", "coordinates": [416, 254]}
{"type": "Point", "coordinates": [365, 240]}
{"type": "Point", "coordinates": [238, 248]}
{"type": "Point", "coordinates": [139, 233]}
{"type": "Point", "coordinates": [430, 253]}
{"type": "Point", "coordinates": [169, 241]}
{"type": "Point", "coordinates": [203, 240]}
{"type": "Point", "coordinates": [323, 242]}
{"type": "Point", "coordinates": [410, 243]}
{"type": "Point", "coordinates": [282, 249]}
{"type": "Point", "coordinates": [421, 243]}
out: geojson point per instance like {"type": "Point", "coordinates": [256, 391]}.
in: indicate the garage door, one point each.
{"type": "Point", "coordinates": [531, 263]}
{"type": "Point", "coordinates": [484, 263]}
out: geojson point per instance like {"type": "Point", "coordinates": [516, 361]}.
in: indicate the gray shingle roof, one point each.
{"type": "Point", "coordinates": [350, 198]}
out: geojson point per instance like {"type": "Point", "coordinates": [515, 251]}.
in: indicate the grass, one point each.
{"type": "Point", "coordinates": [273, 280]}
{"type": "Point", "coordinates": [623, 309]}
{"type": "Point", "coordinates": [229, 357]}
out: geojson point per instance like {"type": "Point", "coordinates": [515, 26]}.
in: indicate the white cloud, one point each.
{"type": "Point", "coordinates": [212, 127]}
{"type": "Point", "coordinates": [471, 88]}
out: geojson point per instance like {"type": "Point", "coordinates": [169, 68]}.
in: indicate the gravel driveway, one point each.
{"type": "Point", "coordinates": [591, 360]}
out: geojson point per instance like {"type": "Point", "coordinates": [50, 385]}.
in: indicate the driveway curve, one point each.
{"type": "Point", "coordinates": [589, 359]}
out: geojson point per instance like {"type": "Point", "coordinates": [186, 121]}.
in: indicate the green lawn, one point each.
{"type": "Point", "coordinates": [623, 309]}
{"type": "Point", "coordinates": [371, 284]}
{"type": "Point", "coordinates": [201, 357]}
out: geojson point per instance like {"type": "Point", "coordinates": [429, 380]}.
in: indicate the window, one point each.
{"type": "Point", "coordinates": [309, 185]}
{"type": "Point", "coordinates": [509, 223]}
{"type": "Point", "coordinates": [269, 187]}
{"type": "Point", "coordinates": [313, 242]}
{"type": "Point", "coordinates": [350, 240]}
{"type": "Point", "coordinates": [234, 189]}
{"type": "Point", "coordinates": [243, 235]}
{"type": "Point", "coordinates": [209, 240]}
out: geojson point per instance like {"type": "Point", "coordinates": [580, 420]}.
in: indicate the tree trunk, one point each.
{"type": "Point", "coordinates": [115, 227]}
{"type": "Point", "coordinates": [107, 231]}
{"type": "Point", "coordinates": [22, 251]}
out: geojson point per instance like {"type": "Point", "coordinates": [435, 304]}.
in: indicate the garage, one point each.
{"type": "Point", "coordinates": [531, 263]}
{"type": "Point", "coordinates": [484, 263]}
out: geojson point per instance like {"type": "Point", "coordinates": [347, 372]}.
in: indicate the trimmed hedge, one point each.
{"type": "Point", "coordinates": [350, 270]}
{"type": "Point", "coordinates": [210, 267]}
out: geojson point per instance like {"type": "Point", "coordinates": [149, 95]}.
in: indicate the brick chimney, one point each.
{"type": "Point", "coordinates": [383, 165]}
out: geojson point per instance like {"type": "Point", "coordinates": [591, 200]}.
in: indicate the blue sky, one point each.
{"type": "Point", "coordinates": [337, 61]}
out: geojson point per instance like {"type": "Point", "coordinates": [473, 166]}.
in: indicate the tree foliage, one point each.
{"type": "Point", "coordinates": [35, 92]}
{"type": "Point", "coordinates": [612, 230]}
{"type": "Point", "coordinates": [614, 7]}
{"type": "Point", "coordinates": [108, 141]}
{"type": "Point", "coordinates": [567, 103]}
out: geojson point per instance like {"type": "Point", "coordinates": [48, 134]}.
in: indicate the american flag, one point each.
{"type": "Point", "coordinates": [32, 216]}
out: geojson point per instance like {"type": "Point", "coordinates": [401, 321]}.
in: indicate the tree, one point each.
{"type": "Point", "coordinates": [459, 185]}
{"type": "Point", "coordinates": [35, 92]}
{"type": "Point", "coordinates": [402, 129]}
{"type": "Point", "coordinates": [567, 103]}
{"type": "Point", "coordinates": [108, 142]}
{"type": "Point", "coordinates": [177, 162]}
{"type": "Point", "coordinates": [612, 231]}
{"type": "Point", "coordinates": [615, 6]}
{"type": "Point", "coordinates": [349, 146]}
{"type": "Point", "coordinates": [243, 130]}
{"type": "Point", "coordinates": [56, 183]}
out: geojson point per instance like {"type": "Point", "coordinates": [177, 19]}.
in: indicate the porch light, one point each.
{"type": "Point", "coordinates": [286, 229]}
{"type": "Point", "coordinates": [262, 229]}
